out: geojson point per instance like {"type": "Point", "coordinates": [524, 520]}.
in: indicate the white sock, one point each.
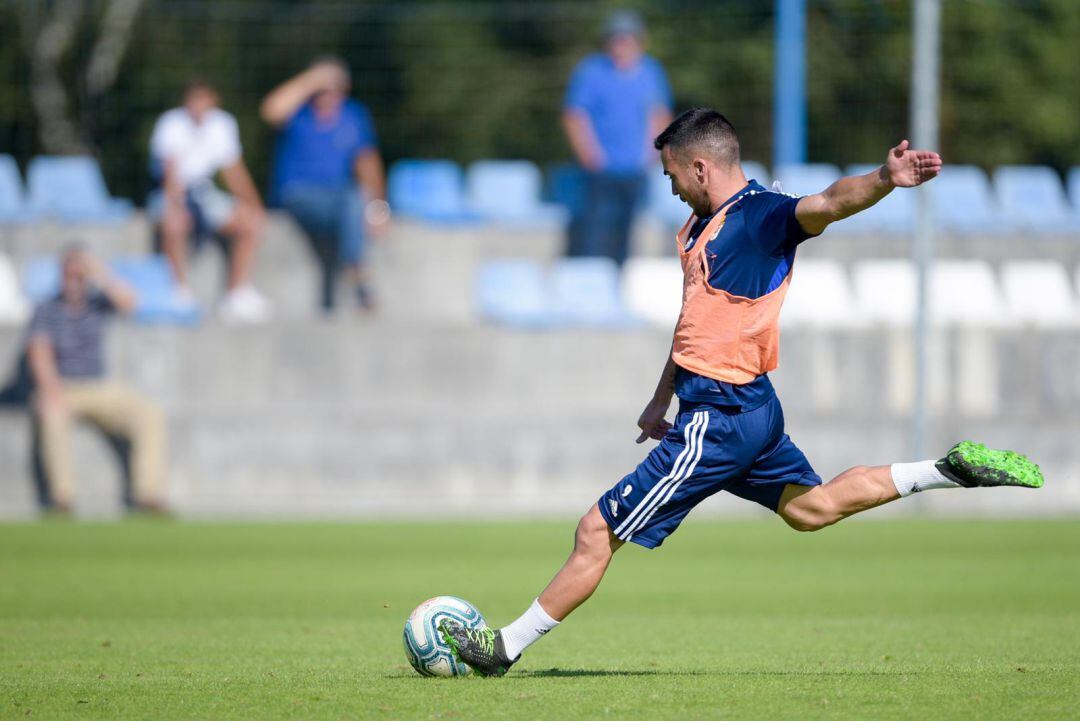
{"type": "Point", "coordinates": [528, 629]}
{"type": "Point", "coordinates": [920, 476]}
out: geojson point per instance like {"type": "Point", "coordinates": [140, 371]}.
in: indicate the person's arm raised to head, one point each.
{"type": "Point", "coordinates": [904, 168]}
{"type": "Point", "coordinates": [282, 102]}
{"type": "Point", "coordinates": [120, 295]}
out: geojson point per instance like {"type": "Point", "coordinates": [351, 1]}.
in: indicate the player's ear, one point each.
{"type": "Point", "coordinates": [700, 169]}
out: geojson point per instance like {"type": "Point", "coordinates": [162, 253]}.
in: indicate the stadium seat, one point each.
{"type": "Point", "coordinates": [806, 179]}
{"type": "Point", "coordinates": [1037, 292]}
{"type": "Point", "coordinates": [13, 306]}
{"type": "Point", "coordinates": [966, 293]}
{"type": "Point", "coordinates": [820, 296]}
{"type": "Point", "coordinates": [885, 291]}
{"type": "Point", "coordinates": [430, 190]}
{"type": "Point", "coordinates": [1032, 197]}
{"type": "Point", "coordinates": [13, 205]}
{"type": "Point", "coordinates": [149, 276]}
{"type": "Point", "coordinates": [585, 292]}
{"type": "Point", "coordinates": [514, 293]}
{"type": "Point", "coordinates": [72, 189]}
{"type": "Point", "coordinates": [754, 170]}
{"type": "Point", "coordinates": [964, 201]}
{"type": "Point", "coordinates": [895, 214]}
{"type": "Point", "coordinates": [509, 191]}
{"type": "Point", "coordinates": [652, 290]}
{"type": "Point", "coordinates": [665, 208]}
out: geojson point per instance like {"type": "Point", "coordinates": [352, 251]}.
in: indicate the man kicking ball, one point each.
{"type": "Point", "coordinates": [737, 252]}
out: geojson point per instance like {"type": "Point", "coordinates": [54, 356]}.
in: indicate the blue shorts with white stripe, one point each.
{"type": "Point", "coordinates": [709, 449]}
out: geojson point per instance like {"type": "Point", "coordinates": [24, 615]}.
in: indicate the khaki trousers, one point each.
{"type": "Point", "coordinates": [117, 410]}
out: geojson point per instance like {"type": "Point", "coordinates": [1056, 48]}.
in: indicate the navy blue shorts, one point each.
{"type": "Point", "coordinates": [708, 450]}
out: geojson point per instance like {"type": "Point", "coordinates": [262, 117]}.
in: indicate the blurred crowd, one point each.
{"type": "Point", "coordinates": [327, 175]}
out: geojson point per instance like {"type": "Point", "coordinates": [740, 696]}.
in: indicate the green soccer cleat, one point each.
{"type": "Point", "coordinates": [481, 648]}
{"type": "Point", "coordinates": [973, 464]}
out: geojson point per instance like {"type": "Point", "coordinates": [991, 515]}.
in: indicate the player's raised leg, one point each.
{"type": "Point", "coordinates": [966, 465]}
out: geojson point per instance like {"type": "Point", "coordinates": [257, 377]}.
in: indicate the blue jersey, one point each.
{"type": "Point", "coordinates": [317, 152]}
{"type": "Point", "coordinates": [619, 103]}
{"type": "Point", "coordinates": [750, 257]}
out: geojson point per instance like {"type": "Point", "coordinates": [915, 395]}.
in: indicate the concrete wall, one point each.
{"type": "Point", "coordinates": [420, 411]}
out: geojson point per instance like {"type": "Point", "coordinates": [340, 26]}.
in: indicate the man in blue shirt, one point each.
{"type": "Point", "coordinates": [326, 146]}
{"type": "Point", "coordinates": [737, 252]}
{"type": "Point", "coordinates": [616, 103]}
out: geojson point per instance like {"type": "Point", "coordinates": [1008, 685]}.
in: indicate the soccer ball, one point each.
{"type": "Point", "coordinates": [425, 648]}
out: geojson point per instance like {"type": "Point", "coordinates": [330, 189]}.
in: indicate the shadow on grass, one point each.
{"type": "Point", "coordinates": [597, 672]}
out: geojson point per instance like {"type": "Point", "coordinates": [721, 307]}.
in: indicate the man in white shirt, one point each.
{"type": "Point", "coordinates": [190, 145]}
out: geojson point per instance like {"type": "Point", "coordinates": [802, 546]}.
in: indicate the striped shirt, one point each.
{"type": "Point", "coordinates": [76, 334]}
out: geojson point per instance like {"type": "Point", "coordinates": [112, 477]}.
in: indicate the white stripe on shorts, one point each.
{"type": "Point", "coordinates": [675, 486]}
{"type": "Point", "coordinates": [690, 440]}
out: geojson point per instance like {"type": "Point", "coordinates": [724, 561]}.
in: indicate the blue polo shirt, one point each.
{"type": "Point", "coordinates": [750, 257]}
{"type": "Point", "coordinates": [618, 102]}
{"type": "Point", "coordinates": [320, 152]}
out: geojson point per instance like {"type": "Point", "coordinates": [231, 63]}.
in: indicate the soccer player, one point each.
{"type": "Point", "coordinates": [737, 252]}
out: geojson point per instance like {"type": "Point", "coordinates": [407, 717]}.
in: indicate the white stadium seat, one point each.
{"type": "Point", "coordinates": [885, 290]}
{"type": "Point", "coordinates": [966, 293]}
{"type": "Point", "coordinates": [820, 296]}
{"type": "Point", "coordinates": [652, 289]}
{"type": "Point", "coordinates": [13, 306]}
{"type": "Point", "coordinates": [1038, 292]}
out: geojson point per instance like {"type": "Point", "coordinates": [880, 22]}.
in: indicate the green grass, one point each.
{"type": "Point", "coordinates": [889, 620]}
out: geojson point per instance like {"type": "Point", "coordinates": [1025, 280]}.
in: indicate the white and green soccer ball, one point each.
{"type": "Point", "coordinates": [425, 648]}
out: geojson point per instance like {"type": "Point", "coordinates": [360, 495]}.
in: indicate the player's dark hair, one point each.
{"type": "Point", "coordinates": [701, 130]}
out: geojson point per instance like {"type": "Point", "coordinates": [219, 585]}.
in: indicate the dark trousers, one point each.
{"type": "Point", "coordinates": [332, 219]}
{"type": "Point", "coordinates": [603, 227]}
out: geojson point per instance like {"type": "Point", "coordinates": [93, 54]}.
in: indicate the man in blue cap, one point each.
{"type": "Point", "coordinates": [617, 101]}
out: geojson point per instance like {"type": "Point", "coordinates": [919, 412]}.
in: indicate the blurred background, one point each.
{"type": "Point", "coordinates": [494, 372]}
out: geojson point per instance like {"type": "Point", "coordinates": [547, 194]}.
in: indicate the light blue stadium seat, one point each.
{"type": "Point", "coordinates": [509, 191]}
{"type": "Point", "coordinates": [72, 189]}
{"type": "Point", "coordinates": [13, 205]}
{"type": "Point", "coordinates": [585, 292]}
{"type": "Point", "coordinates": [428, 189]}
{"type": "Point", "coordinates": [807, 178]}
{"type": "Point", "coordinates": [756, 171]}
{"type": "Point", "coordinates": [1031, 196]}
{"type": "Point", "coordinates": [666, 208]}
{"type": "Point", "coordinates": [149, 276]}
{"type": "Point", "coordinates": [964, 201]}
{"type": "Point", "coordinates": [893, 214]}
{"type": "Point", "coordinates": [513, 292]}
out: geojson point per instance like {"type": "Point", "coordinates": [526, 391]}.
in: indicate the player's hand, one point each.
{"type": "Point", "coordinates": [651, 422]}
{"type": "Point", "coordinates": [907, 168]}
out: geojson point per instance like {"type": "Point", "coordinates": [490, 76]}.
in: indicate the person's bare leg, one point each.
{"type": "Point", "coordinates": [244, 230]}
{"type": "Point", "coordinates": [594, 545]}
{"type": "Point", "coordinates": [492, 653]}
{"type": "Point", "coordinates": [811, 508]}
{"type": "Point", "coordinates": [175, 229]}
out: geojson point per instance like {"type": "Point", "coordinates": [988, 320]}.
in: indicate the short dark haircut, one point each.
{"type": "Point", "coordinates": [701, 130]}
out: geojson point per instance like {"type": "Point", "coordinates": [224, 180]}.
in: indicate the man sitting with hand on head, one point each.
{"type": "Point", "coordinates": [65, 354]}
{"type": "Point", "coordinates": [328, 172]}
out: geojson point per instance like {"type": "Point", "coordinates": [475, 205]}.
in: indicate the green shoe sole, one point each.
{"type": "Point", "coordinates": [974, 464]}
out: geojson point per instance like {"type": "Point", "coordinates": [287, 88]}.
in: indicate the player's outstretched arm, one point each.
{"type": "Point", "coordinates": [903, 168]}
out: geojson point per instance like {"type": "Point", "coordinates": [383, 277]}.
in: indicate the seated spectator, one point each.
{"type": "Point", "coordinates": [189, 146]}
{"type": "Point", "coordinates": [328, 172]}
{"type": "Point", "coordinates": [66, 359]}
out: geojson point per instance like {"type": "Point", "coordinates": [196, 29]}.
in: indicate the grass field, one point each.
{"type": "Point", "coordinates": [904, 620]}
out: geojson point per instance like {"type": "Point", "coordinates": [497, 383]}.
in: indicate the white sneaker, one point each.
{"type": "Point", "coordinates": [245, 305]}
